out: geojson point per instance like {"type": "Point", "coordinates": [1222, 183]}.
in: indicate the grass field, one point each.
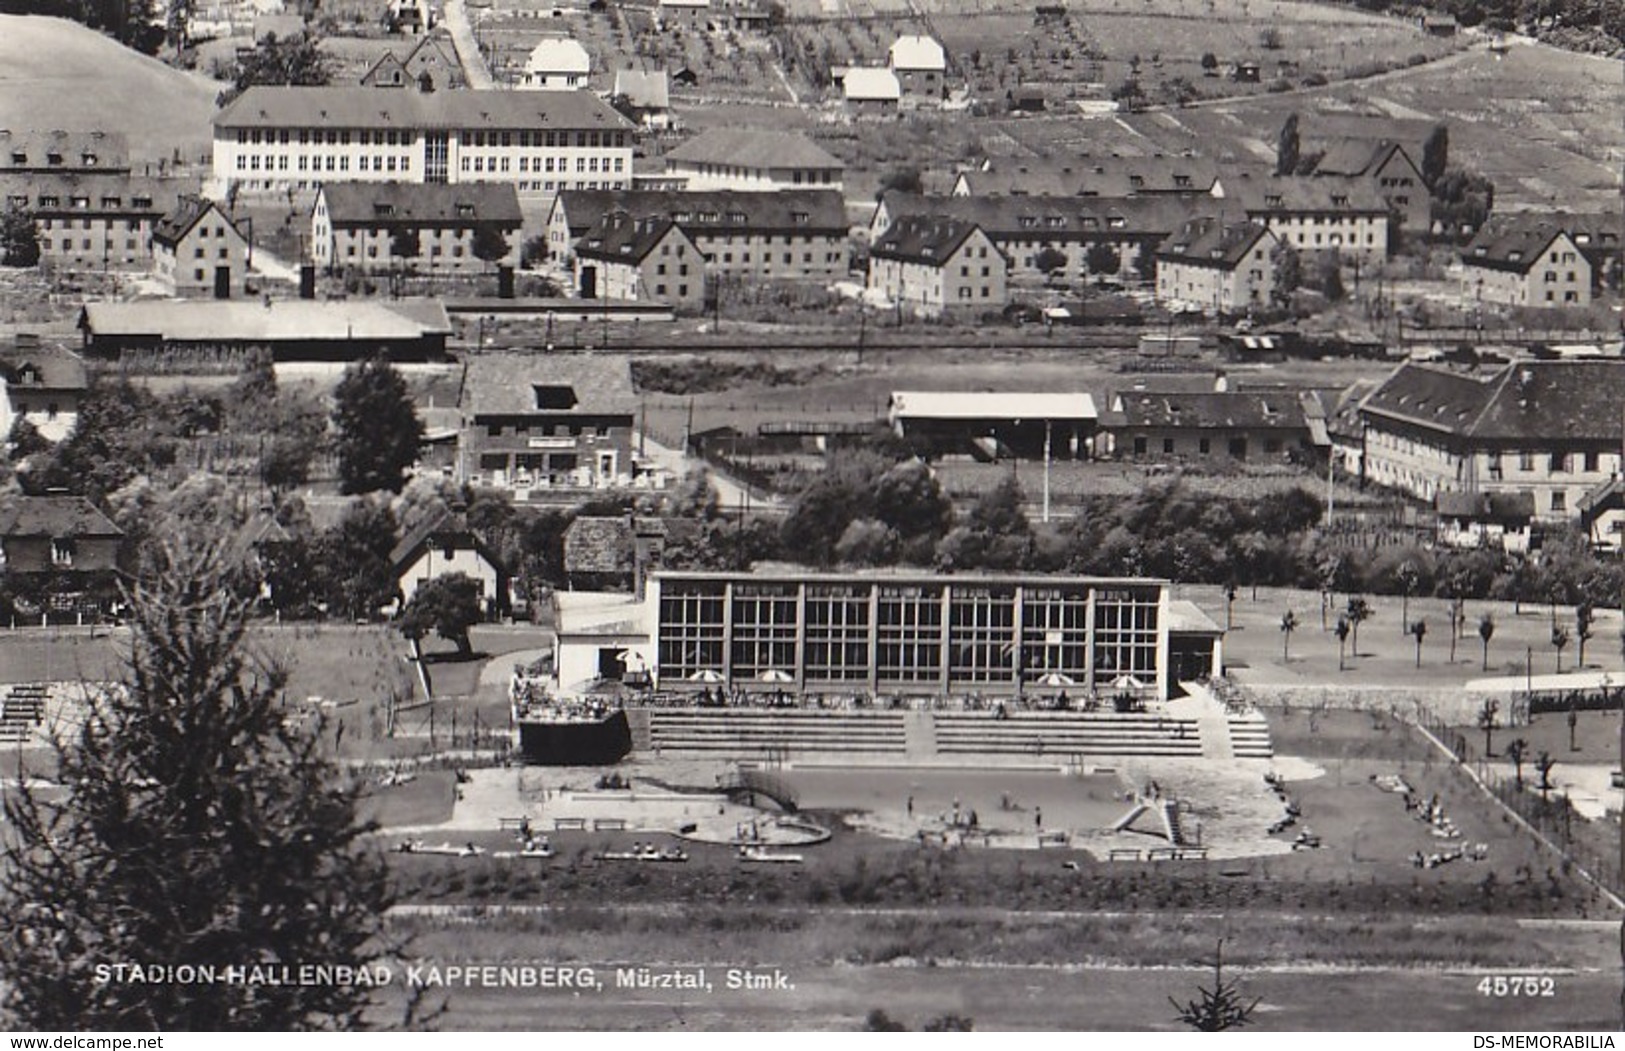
{"type": "Point", "coordinates": [1385, 656]}
{"type": "Point", "coordinates": [57, 74]}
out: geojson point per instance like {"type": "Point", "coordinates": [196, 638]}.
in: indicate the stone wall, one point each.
{"type": "Point", "coordinates": [1452, 705]}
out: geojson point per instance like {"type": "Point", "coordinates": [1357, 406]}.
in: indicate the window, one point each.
{"type": "Point", "coordinates": [1560, 501]}
{"type": "Point", "coordinates": [1168, 445]}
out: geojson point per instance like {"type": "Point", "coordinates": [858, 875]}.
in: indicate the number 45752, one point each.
{"type": "Point", "coordinates": [1517, 985]}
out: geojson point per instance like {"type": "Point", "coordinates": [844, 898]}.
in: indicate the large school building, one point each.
{"type": "Point", "coordinates": [911, 633]}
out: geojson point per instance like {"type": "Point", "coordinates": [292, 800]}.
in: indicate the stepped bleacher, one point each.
{"type": "Point", "coordinates": [1063, 734]}
{"type": "Point", "coordinates": [1250, 736]}
{"type": "Point", "coordinates": [22, 711]}
{"type": "Point", "coordinates": [775, 734]}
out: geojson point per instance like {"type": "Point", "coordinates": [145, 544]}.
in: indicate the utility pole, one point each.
{"type": "Point", "coordinates": [1048, 424]}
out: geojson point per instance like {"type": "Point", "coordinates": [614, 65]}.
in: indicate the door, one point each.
{"type": "Point", "coordinates": [589, 282]}
{"type": "Point", "coordinates": [222, 282]}
{"type": "Point", "coordinates": [611, 665]}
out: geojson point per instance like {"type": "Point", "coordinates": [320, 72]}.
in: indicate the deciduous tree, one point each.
{"type": "Point", "coordinates": [379, 433]}
{"type": "Point", "coordinates": [19, 238]}
{"type": "Point", "coordinates": [294, 60]}
{"type": "Point", "coordinates": [448, 606]}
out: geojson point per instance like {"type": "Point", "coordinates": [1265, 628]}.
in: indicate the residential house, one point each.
{"type": "Point", "coordinates": [59, 556]}
{"type": "Point", "coordinates": [640, 257]}
{"type": "Point", "coordinates": [690, 14]}
{"type": "Point", "coordinates": [1246, 71]}
{"type": "Point", "coordinates": [870, 91]}
{"type": "Point", "coordinates": [43, 385]}
{"type": "Point", "coordinates": [431, 65]}
{"type": "Point", "coordinates": [1210, 424]}
{"type": "Point", "coordinates": [921, 67]}
{"type": "Point", "coordinates": [1525, 261]}
{"type": "Point", "coordinates": [1086, 175]}
{"type": "Point", "coordinates": [938, 264]}
{"type": "Point", "coordinates": [1549, 429]}
{"type": "Point", "coordinates": [197, 247]}
{"type": "Point", "coordinates": [989, 425]}
{"type": "Point", "coordinates": [1438, 25]}
{"type": "Point", "coordinates": [644, 97]}
{"type": "Point", "coordinates": [557, 64]}
{"type": "Point", "coordinates": [442, 544]}
{"type": "Point", "coordinates": [274, 138]}
{"type": "Point", "coordinates": [1027, 98]}
{"type": "Point", "coordinates": [1500, 521]}
{"type": "Point", "coordinates": [1597, 235]}
{"type": "Point", "coordinates": [1216, 268]}
{"type": "Point", "coordinates": [540, 426]}
{"type": "Point", "coordinates": [600, 553]}
{"type": "Point", "coordinates": [38, 152]}
{"type": "Point", "coordinates": [753, 159]}
{"type": "Point", "coordinates": [91, 220]}
{"type": "Point", "coordinates": [1024, 227]}
{"type": "Point", "coordinates": [1318, 215]}
{"type": "Point", "coordinates": [792, 235]}
{"type": "Point", "coordinates": [1387, 167]}
{"type": "Point", "coordinates": [391, 226]}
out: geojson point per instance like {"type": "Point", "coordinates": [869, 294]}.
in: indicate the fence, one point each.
{"type": "Point", "coordinates": [1550, 816]}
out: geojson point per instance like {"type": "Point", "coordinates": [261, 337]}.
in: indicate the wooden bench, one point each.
{"type": "Point", "coordinates": [609, 824]}
{"type": "Point", "coordinates": [512, 824]}
{"type": "Point", "coordinates": [1054, 839]}
{"type": "Point", "coordinates": [569, 824]}
{"type": "Point", "coordinates": [1123, 854]}
{"type": "Point", "coordinates": [1177, 854]}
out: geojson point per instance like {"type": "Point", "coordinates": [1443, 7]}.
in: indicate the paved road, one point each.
{"type": "Point", "coordinates": [731, 494]}
{"type": "Point", "coordinates": [468, 51]}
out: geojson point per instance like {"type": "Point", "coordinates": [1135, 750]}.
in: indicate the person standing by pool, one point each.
{"type": "Point", "coordinates": [1038, 817]}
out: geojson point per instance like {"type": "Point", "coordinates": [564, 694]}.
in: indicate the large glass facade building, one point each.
{"type": "Point", "coordinates": [897, 632]}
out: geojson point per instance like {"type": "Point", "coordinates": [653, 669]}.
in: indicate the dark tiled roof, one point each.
{"type": "Point", "coordinates": [178, 221]}
{"type": "Point", "coordinates": [105, 150]}
{"type": "Point", "coordinates": [1211, 410]}
{"type": "Point", "coordinates": [1209, 242]}
{"type": "Point", "coordinates": [1273, 195]}
{"type": "Point", "coordinates": [93, 194]}
{"type": "Point", "coordinates": [55, 516]}
{"type": "Point", "coordinates": [354, 106]}
{"type": "Point", "coordinates": [929, 239]}
{"type": "Point", "coordinates": [622, 238]}
{"type": "Point", "coordinates": [1515, 244]}
{"type": "Point", "coordinates": [43, 368]}
{"type": "Point", "coordinates": [1102, 176]}
{"type": "Point", "coordinates": [421, 204]}
{"type": "Point", "coordinates": [1049, 217]}
{"type": "Point", "coordinates": [447, 527]}
{"type": "Point", "coordinates": [1486, 507]}
{"type": "Point", "coordinates": [715, 212]}
{"type": "Point", "coordinates": [504, 384]}
{"type": "Point", "coordinates": [598, 545]}
{"type": "Point", "coordinates": [1355, 156]}
{"type": "Point", "coordinates": [754, 148]}
{"type": "Point", "coordinates": [1539, 402]}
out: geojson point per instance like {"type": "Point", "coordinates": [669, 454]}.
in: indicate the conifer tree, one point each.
{"type": "Point", "coordinates": [193, 827]}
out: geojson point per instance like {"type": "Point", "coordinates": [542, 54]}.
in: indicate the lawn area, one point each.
{"type": "Point", "coordinates": [1385, 656]}
{"type": "Point", "coordinates": [344, 674]}
{"type": "Point", "coordinates": [425, 800]}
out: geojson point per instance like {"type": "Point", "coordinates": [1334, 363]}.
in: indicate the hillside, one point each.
{"type": "Point", "coordinates": [58, 74]}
